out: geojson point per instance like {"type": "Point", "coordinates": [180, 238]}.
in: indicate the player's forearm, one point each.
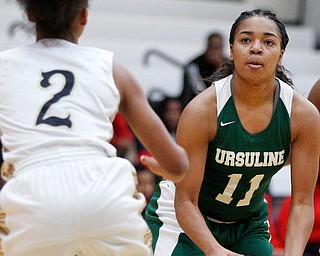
{"type": "Point", "coordinates": [299, 227]}
{"type": "Point", "coordinates": [194, 225]}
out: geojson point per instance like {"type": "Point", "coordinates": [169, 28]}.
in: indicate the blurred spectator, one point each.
{"type": "Point", "coordinates": [141, 151]}
{"type": "Point", "coordinates": [146, 182]}
{"type": "Point", "coordinates": [202, 67]}
{"type": "Point", "coordinates": [169, 111]}
{"type": "Point", "coordinates": [123, 138]}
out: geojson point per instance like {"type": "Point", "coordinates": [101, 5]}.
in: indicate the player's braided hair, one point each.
{"type": "Point", "coordinates": [53, 18]}
{"type": "Point", "coordinates": [228, 66]}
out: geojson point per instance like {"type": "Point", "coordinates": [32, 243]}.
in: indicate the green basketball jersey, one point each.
{"type": "Point", "coordinates": [240, 165]}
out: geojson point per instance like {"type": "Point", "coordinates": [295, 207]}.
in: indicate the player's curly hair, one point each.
{"type": "Point", "coordinates": [228, 66]}
{"type": "Point", "coordinates": [53, 18]}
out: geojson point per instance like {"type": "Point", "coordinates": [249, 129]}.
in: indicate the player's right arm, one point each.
{"type": "Point", "coordinates": [170, 160]}
{"type": "Point", "coordinates": [196, 128]}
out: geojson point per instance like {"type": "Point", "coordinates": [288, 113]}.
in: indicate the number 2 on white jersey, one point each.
{"type": "Point", "coordinates": [226, 196]}
{"type": "Point", "coordinates": [54, 120]}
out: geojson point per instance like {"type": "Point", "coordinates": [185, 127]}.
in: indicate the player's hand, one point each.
{"type": "Point", "coordinates": [157, 169]}
{"type": "Point", "coordinates": [152, 164]}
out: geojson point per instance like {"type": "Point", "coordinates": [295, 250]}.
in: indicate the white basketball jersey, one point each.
{"type": "Point", "coordinates": [54, 92]}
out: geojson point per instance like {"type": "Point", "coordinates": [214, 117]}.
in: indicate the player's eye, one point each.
{"type": "Point", "coordinates": [245, 40]}
{"type": "Point", "coordinates": [269, 42]}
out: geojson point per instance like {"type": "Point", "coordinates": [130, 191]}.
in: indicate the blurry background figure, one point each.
{"type": "Point", "coordinates": [123, 138]}
{"type": "Point", "coordinates": [169, 111]}
{"type": "Point", "coordinates": [146, 182]}
{"type": "Point", "coordinates": [202, 67]}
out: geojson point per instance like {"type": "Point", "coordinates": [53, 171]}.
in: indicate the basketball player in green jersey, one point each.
{"type": "Point", "coordinates": [238, 133]}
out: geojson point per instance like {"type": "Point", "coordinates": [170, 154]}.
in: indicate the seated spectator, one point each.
{"type": "Point", "coordinates": [202, 67]}
{"type": "Point", "coordinates": [169, 111]}
{"type": "Point", "coordinates": [146, 182]}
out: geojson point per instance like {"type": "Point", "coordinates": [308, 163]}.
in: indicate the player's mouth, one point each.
{"type": "Point", "coordinates": [255, 64]}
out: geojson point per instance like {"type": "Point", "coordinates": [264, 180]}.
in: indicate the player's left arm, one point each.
{"type": "Point", "coordinates": [305, 151]}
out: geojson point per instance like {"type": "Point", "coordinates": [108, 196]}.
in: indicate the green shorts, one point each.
{"type": "Point", "coordinates": [248, 237]}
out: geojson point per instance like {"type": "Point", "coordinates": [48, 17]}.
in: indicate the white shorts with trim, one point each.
{"type": "Point", "coordinates": [85, 205]}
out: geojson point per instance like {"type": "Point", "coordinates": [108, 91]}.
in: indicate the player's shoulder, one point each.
{"type": "Point", "coordinates": [96, 51]}
{"type": "Point", "coordinates": [13, 50]}
{"type": "Point", "coordinates": [200, 114]}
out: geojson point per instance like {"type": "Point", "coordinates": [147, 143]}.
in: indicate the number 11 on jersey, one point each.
{"type": "Point", "coordinates": [226, 196]}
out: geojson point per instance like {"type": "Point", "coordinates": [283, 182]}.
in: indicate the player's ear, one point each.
{"type": "Point", "coordinates": [280, 58]}
{"type": "Point", "coordinates": [231, 52]}
{"type": "Point", "coordinates": [30, 16]}
{"type": "Point", "coordinates": [84, 16]}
